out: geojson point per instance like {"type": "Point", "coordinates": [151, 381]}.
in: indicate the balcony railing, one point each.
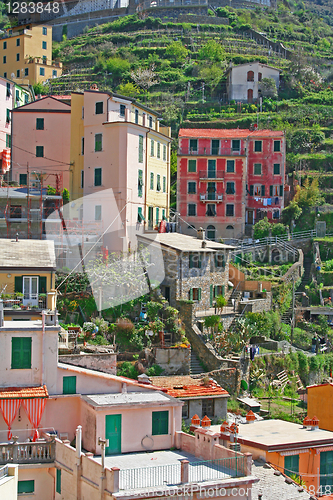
{"type": "Point", "coordinates": [211, 197]}
{"type": "Point", "coordinates": [211, 174]}
{"type": "Point", "coordinates": [27, 453]}
{"type": "Point", "coordinates": [211, 151]}
{"type": "Point", "coordinates": [19, 301]}
{"type": "Point", "coordinates": [3, 472]}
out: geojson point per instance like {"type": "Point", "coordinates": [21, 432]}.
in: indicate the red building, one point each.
{"type": "Point", "coordinates": [229, 178]}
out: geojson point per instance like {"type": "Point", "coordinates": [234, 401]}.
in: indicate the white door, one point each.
{"type": "Point", "coordinates": [30, 290]}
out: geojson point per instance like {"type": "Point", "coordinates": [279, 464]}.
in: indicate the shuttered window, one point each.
{"type": "Point", "coordinates": [26, 487]}
{"type": "Point", "coordinates": [160, 421]}
{"type": "Point", "coordinates": [21, 353]}
{"type": "Point", "coordinates": [69, 385]}
{"type": "Point", "coordinates": [140, 148]}
{"type": "Point", "coordinates": [140, 183]}
{"type": "Point", "coordinates": [58, 481]}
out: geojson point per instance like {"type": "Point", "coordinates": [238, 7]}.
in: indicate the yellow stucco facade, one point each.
{"type": "Point", "coordinates": [26, 54]}
{"type": "Point", "coordinates": [77, 146]}
{"type": "Point", "coordinates": [320, 404]}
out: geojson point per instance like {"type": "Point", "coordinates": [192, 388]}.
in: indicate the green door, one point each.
{"type": "Point", "coordinates": [291, 465]}
{"type": "Point", "coordinates": [326, 468]}
{"type": "Point", "coordinates": [113, 434]}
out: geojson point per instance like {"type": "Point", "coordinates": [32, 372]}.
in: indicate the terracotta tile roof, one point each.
{"type": "Point", "coordinates": [24, 392]}
{"type": "Point", "coordinates": [227, 133]}
{"type": "Point", "coordinates": [188, 387]}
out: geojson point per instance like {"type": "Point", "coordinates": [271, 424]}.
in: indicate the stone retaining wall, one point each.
{"type": "Point", "coordinates": [174, 361]}
{"type": "Point", "coordinates": [106, 363]}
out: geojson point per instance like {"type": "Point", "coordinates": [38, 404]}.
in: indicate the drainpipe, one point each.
{"type": "Point", "coordinates": [43, 348]}
{"type": "Point", "coordinates": [145, 222]}
{"type": "Point", "coordinates": [78, 445]}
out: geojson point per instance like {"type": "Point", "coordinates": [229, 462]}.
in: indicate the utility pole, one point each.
{"type": "Point", "coordinates": [28, 202]}
{"type": "Point", "coordinates": [293, 312]}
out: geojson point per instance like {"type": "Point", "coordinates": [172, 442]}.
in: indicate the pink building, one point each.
{"type": "Point", "coordinates": [41, 143]}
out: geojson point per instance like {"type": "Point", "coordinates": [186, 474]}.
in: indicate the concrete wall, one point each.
{"type": "Point", "coordinates": [174, 361]}
{"type": "Point", "coordinates": [106, 363]}
{"type": "Point", "coordinates": [8, 484]}
{"type": "Point", "coordinates": [44, 482]}
{"type": "Point", "coordinates": [220, 409]}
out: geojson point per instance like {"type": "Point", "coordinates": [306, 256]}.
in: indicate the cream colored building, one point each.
{"type": "Point", "coordinates": [26, 54]}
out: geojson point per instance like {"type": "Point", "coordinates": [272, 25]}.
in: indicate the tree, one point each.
{"type": "Point", "coordinates": [308, 195]}
{"type": "Point", "coordinates": [177, 51]}
{"type": "Point", "coordinates": [291, 212]}
{"type": "Point", "coordinates": [117, 67]}
{"type": "Point", "coordinates": [212, 322]}
{"type": "Point", "coordinates": [211, 75]}
{"type": "Point", "coordinates": [128, 89]}
{"type": "Point", "coordinates": [145, 77]}
{"type": "Point", "coordinates": [221, 302]}
{"type": "Point", "coordinates": [268, 87]}
{"type": "Point", "coordinates": [261, 228]}
{"type": "Point", "coordinates": [212, 51]}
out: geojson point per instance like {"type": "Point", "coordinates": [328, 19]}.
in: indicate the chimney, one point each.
{"type": "Point", "coordinates": [94, 87]}
{"type": "Point", "coordinates": [204, 244]}
{"type": "Point", "coordinates": [314, 423]}
{"type": "Point", "coordinates": [201, 234]}
{"type": "Point", "coordinates": [250, 417]}
{"type": "Point", "coordinates": [307, 423]}
{"type": "Point", "coordinates": [205, 422]}
{"type": "Point", "coordinates": [1, 313]}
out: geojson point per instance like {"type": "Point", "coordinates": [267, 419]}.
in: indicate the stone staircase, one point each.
{"type": "Point", "coordinates": [236, 296]}
{"type": "Point", "coordinates": [306, 275]}
{"type": "Point", "coordinates": [195, 368]}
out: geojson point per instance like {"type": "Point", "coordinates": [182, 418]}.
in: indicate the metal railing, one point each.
{"type": "Point", "coordinates": [148, 4]}
{"type": "Point", "coordinates": [3, 472]}
{"type": "Point", "coordinates": [26, 453]}
{"type": "Point", "coordinates": [169, 475]}
{"type": "Point", "coordinates": [211, 151]}
{"type": "Point", "coordinates": [211, 174]}
{"type": "Point", "coordinates": [211, 197]}
{"type": "Point", "coordinates": [13, 301]}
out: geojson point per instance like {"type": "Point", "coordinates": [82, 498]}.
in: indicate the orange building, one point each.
{"type": "Point", "coordinates": [320, 403]}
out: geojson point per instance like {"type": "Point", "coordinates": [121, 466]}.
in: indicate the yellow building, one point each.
{"type": "Point", "coordinates": [27, 278]}
{"type": "Point", "coordinates": [26, 54]}
{"type": "Point", "coordinates": [77, 146]}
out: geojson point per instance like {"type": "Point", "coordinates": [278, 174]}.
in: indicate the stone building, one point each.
{"type": "Point", "coordinates": [194, 268]}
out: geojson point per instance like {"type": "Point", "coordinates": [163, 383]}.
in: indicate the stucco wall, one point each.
{"type": "Point", "coordinates": [174, 361]}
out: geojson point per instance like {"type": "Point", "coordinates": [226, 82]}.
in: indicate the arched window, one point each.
{"type": "Point", "coordinates": [250, 96]}
{"type": "Point", "coordinates": [250, 76]}
{"type": "Point", "coordinates": [259, 77]}
{"type": "Point", "coordinates": [230, 227]}
{"type": "Point", "coordinates": [211, 232]}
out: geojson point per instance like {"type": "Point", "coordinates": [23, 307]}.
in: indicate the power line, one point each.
{"type": "Point", "coordinates": [30, 153]}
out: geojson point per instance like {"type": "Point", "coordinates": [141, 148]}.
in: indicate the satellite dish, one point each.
{"type": "Point", "coordinates": [13, 75]}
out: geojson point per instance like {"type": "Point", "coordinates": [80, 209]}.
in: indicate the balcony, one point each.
{"type": "Point", "coordinates": [19, 301]}
{"type": "Point", "coordinates": [41, 451]}
{"type": "Point", "coordinates": [208, 175]}
{"type": "Point", "coordinates": [186, 151]}
{"type": "Point", "coordinates": [209, 197]}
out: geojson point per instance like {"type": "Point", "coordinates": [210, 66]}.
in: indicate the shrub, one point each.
{"type": "Point", "coordinates": [154, 371]}
{"type": "Point", "coordinates": [127, 370]}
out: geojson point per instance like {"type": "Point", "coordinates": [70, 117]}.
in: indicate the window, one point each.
{"type": "Point", "coordinates": [151, 180]}
{"type": "Point", "coordinates": [7, 115]}
{"type": "Point", "coordinates": [99, 108]}
{"type": "Point", "coordinates": [211, 169]}
{"type": "Point", "coordinates": [235, 144]}
{"type": "Point", "coordinates": [230, 227]}
{"type": "Point", "coordinates": [231, 166]}
{"type": "Point", "coordinates": [211, 232]}
{"type": "Point", "coordinates": [140, 148]}
{"type": "Point", "coordinates": [185, 409]}
{"type": "Point", "coordinates": [25, 487]}
{"type": "Point", "coordinates": [164, 152]}
{"type": "Point", "coordinates": [26, 98]}
{"type": "Point", "coordinates": [152, 147]}
{"type": "Point", "coordinates": [191, 187]}
{"type": "Point", "coordinates": [41, 71]}
{"type": "Point", "coordinates": [140, 215]}
{"type": "Point", "coordinates": [122, 110]}
{"type": "Point", "coordinates": [69, 385]}
{"type": "Point", "coordinates": [291, 465]}
{"type": "Point", "coordinates": [8, 140]}
{"type": "Point", "coordinates": [160, 421]}
{"type": "Point", "coordinates": [26, 71]}
{"type": "Point", "coordinates": [23, 179]}
{"type": "Point", "coordinates": [219, 260]}
{"type": "Point", "coordinates": [193, 145]}
{"type": "Point", "coordinates": [250, 76]}
{"type": "Point", "coordinates": [276, 214]}
{"type": "Point", "coordinates": [192, 165]}
{"type": "Point", "coordinates": [258, 146]}
{"type": "Point", "coordinates": [194, 260]}
{"type": "Point", "coordinates": [98, 212]}
{"type": "Point", "coordinates": [15, 211]}
{"type": "Point", "coordinates": [195, 294]}
{"type": "Point", "coordinates": [58, 481]}
{"type": "Point", "coordinates": [257, 169]}
{"type": "Point", "coordinates": [150, 122]}
{"type": "Point", "coordinates": [17, 57]}
{"type": "Point", "coordinates": [21, 353]}
{"type": "Point", "coordinates": [54, 73]}
{"type": "Point", "coordinates": [259, 77]}
{"type": "Point", "coordinates": [4, 45]}
{"type": "Point", "coordinates": [276, 168]}
{"type": "Point", "coordinates": [157, 216]}
{"type": "Point", "coordinates": [18, 42]}
{"type": "Point", "coordinates": [44, 60]}
{"type": "Point", "coordinates": [255, 190]}
{"type": "Point", "coordinates": [158, 150]}
{"type": "Point", "coordinates": [276, 190]}
{"type": "Point", "coordinates": [140, 183]}
{"type": "Point", "coordinates": [191, 210]}
{"type": "Point", "coordinates": [215, 146]}
{"type": "Point", "coordinates": [82, 146]}
{"type": "Point", "coordinates": [208, 407]}
{"type": "Point", "coordinates": [163, 214]}
{"type": "Point", "coordinates": [39, 123]}
{"type": "Point", "coordinates": [211, 210]}
{"type": "Point", "coordinates": [230, 188]}
{"type": "Point", "coordinates": [98, 142]}
{"type": "Point", "coordinates": [164, 184]}
{"type": "Point", "coordinates": [229, 210]}
{"type": "Point", "coordinates": [82, 179]}
{"type": "Point", "coordinates": [5, 74]}
{"type": "Point", "coordinates": [219, 290]}
{"type": "Point", "coordinates": [211, 190]}
{"type": "Point", "coordinates": [277, 146]}
{"type": "Point", "coordinates": [4, 59]}
{"type": "Point", "coordinates": [44, 45]}
{"type": "Point", "coordinates": [17, 95]}
{"type": "Point", "coordinates": [136, 114]}
{"type": "Point", "coordinates": [44, 31]}
{"type": "Point", "coordinates": [158, 182]}
{"type": "Point", "coordinates": [39, 151]}
{"type": "Point", "coordinates": [98, 177]}
{"type": "Point", "coordinates": [83, 113]}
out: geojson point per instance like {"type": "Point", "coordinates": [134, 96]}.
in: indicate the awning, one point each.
{"type": "Point", "coordinates": [5, 155]}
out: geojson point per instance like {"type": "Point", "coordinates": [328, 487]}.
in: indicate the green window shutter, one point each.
{"type": "Point", "coordinates": [281, 190]}
{"type": "Point", "coordinates": [164, 184]}
{"type": "Point", "coordinates": [26, 352]}
{"type": "Point", "coordinates": [152, 148]}
{"type": "Point", "coordinates": [140, 148]}
{"type": "Point", "coordinates": [42, 284]}
{"type": "Point", "coordinates": [8, 141]}
{"type": "Point", "coordinates": [21, 353]}
{"type": "Point", "coordinates": [251, 190]}
{"type": "Point", "coordinates": [211, 295]}
{"type": "Point", "coordinates": [69, 385]}
{"type": "Point", "coordinates": [158, 150]}
{"type": "Point", "coordinates": [151, 180]}
{"type": "Point", "coordinates": [160, 423]}
{"type": "Point", "coordinates": [140, 183]}
{"type": "Point", "coordinates": [58, 481]}
{"type": "Point", "coordinates": [191, 293]}
{"type": "Point", "coordinates": [18, 286]}
{"type": "Point", "coordinates": [164, 152]}
{"type": "Point", "coordinates": [263, 190]}
{"type": "Point", "coordinates": [223, 290]}
{"type": "Point", "coordinates": [157, 215]}
{"type": "Point", "coordinates": [26, 486]}
{"type": "Point", "coordinates": [192, 165]}
{"type": "Point", "coordinates": [199, 293]}
{"type": "Point", "coordinates": [270, 190]}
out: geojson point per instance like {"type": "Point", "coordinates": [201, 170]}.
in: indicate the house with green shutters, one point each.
{"type": "Point", "coordinates": [27, 276]}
